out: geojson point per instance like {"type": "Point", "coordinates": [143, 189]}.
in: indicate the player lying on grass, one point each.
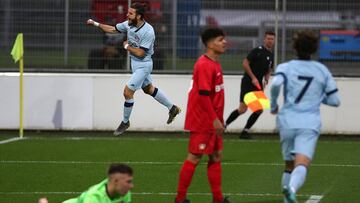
{"type": "Point", "coordinates": [114, 189]}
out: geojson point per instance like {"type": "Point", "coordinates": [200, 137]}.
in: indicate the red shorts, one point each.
{"type": "Point", "coordinates": [205, 143]}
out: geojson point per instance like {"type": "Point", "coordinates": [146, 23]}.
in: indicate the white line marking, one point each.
{"type": "Point", "coordinates": [314, 199]}
{"type": "Point", "coordinates": [11, 140]}
{"type": "Point", "coordinates": [157, 193]}
{"type": "Point", "coordinates": [166, 163]}
{"type": "Point", "coordinates": [175, 139]}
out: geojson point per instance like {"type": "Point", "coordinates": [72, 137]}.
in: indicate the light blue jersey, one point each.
{"type": "Point", "coordinates": [142, 37]}
{"type": "Point", "coordinates": [307, 84]}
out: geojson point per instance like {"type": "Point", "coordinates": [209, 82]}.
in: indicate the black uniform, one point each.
{"type": "Point", "coordinates": [261, 61]}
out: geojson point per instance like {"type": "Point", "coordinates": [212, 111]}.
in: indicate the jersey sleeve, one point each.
{"type": "Point", "coordinates": [276, 83]}
{"type": "Point", "coordinates": [205, 77]}
{"type": "Point", "coordinates": [331, 92]}
{"type": "Point", "coordinates": [147, 40]}
{"type": "Point", "coordinates": [330, 85]}
{"type": "Point", "coordinates": [205, 80]}
{"type": "Point", "coordinates": [251, 57]}
{"type": "Point", "coordinates": [122, 27]}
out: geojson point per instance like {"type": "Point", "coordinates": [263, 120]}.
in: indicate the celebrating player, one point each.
{"type": "Point", "coordinates": [140, 45]}
{"type": "Point", "coordinates": [307, 84]}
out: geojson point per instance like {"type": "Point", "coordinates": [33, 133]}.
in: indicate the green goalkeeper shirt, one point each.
{"type": "Point", "coordinates": [98, 194]}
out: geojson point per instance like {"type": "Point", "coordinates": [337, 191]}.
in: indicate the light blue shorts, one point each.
{"type": "Point", "coordinates": [141, 76]}
{"type": "Point", "coordinates": [298, 141]}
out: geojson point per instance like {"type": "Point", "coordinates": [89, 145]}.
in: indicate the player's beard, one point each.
{"type": "Point", "coordinates": [132, 22]}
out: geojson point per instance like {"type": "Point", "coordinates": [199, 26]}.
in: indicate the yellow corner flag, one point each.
{"type": "Point", "coordinates": [17, 51]}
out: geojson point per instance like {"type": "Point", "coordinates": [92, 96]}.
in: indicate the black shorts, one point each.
{"type": "Point", "coordinates": [247, 86]}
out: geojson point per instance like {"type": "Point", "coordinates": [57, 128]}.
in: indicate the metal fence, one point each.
{"type": "Point", "coordinates": [57, 39]}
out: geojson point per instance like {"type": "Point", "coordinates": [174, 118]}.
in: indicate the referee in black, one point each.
{"type": "Point", "coordinates": [257, 65]}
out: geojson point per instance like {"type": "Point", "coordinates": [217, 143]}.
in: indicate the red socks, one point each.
{"type": "Point", "coordinates": [214, 177]}
{"type": "Point", "coordinates": [186, 174]}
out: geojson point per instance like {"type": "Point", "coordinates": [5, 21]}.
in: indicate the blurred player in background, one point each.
{"type": "Point", "coordinates": [140, 45]}
{"type": "Point", "coordinates": [114, 189]}
{"type": "Point", "coordinates": [204, 117]}
{"type": "Point", "coordinates": [257, 65]}
{"type": "Point", "coordinates": [306, 84]}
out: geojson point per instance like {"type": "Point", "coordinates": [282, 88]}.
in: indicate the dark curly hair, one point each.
{"type": "Point", "coordinates": [211, 33]}
{"type": "Point", "coordinates": [305, 42]}
{"type": "Point", "coordinates": [140, 8]}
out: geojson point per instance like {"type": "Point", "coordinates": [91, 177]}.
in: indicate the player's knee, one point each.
{"type": "Point", "coordinates": [146, 90]}
{"type": "Point", "coordinates": [194, 158]}
{"type": "Point", "coordinates": [302, 160]}
{"type": "Point", "coordinates": [216, 156]}
{"type": "Point", "coordinates": [149, 89]}
{"type": "Point", "coordinates": [242, 109]}
{"type": "Point", "coordinates": [128, 94]}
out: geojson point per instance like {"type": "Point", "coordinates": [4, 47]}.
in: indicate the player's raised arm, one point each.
{"type": "Point", "coordinates": [103, 27]}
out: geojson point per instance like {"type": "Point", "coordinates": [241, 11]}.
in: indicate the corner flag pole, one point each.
{"type": "Point", "coordinates": [17, 53]}
{"type": "Point", "coordinates": [21, 125]}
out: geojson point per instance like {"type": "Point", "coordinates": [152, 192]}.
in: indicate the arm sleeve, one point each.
{"type": "Point", "coordinates": [205, 80]}
{"type": "Point", "coordinates": [206, 105]}
{"type": "Point", "coordinates": [147, 40]}
{"type": "Point", "coordinates": [331, 97]}
{"type": "Point", "coordinates": [276, 83]}
{"type": "Point", "coordinates": [122, 27]}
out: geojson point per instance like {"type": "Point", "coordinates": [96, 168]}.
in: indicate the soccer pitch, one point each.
{"type": "Point", "coordinates": [60, 165]}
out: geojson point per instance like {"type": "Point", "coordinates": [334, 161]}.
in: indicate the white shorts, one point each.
{"type": "Point", "coordinates": [141, 76]}
{"type": "Point", "coordinates": [298, 141]}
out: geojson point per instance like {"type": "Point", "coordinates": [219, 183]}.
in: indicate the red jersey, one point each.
{"type": "Point", "coordinates": [207, 76]}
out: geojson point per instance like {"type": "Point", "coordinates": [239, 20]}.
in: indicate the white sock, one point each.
{"type": "Point", "coordinates": [298, 177]}
{"type": "Point", "coordinates": [161, 98]}
{"type": "Point", "coordinates": [128, 105]}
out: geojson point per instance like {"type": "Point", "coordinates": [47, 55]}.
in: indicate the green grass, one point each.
{"type": "Point", "coordinates": [50, 164]}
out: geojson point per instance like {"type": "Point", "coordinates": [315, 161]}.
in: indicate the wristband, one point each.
{"type": "Point", "coordinates": [126, 46]}
{"type": "Point", "coordinates": [96, 24]}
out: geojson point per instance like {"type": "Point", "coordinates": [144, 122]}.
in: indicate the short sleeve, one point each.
{"type": "Point", "coordinates": [147, 40]}
{"type": "Point", "coordinates": [330, 85]}
{"type": "Point", "coordinates": [251, 57]}
{"type": "Point", "coordinates": [205, 76]}
{"type": "Point", "coordinates": [122, 27]}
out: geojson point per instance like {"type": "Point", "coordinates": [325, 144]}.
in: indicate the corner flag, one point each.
{"type": "Point", "coordinates": [17, 51]}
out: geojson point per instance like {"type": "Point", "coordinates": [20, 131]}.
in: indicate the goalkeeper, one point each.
{"type": "Point", "coordinates": [114, 189]}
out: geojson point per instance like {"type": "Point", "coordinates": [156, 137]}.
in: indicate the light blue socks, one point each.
{"type": "Point", "coordinates": [128, 104]}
